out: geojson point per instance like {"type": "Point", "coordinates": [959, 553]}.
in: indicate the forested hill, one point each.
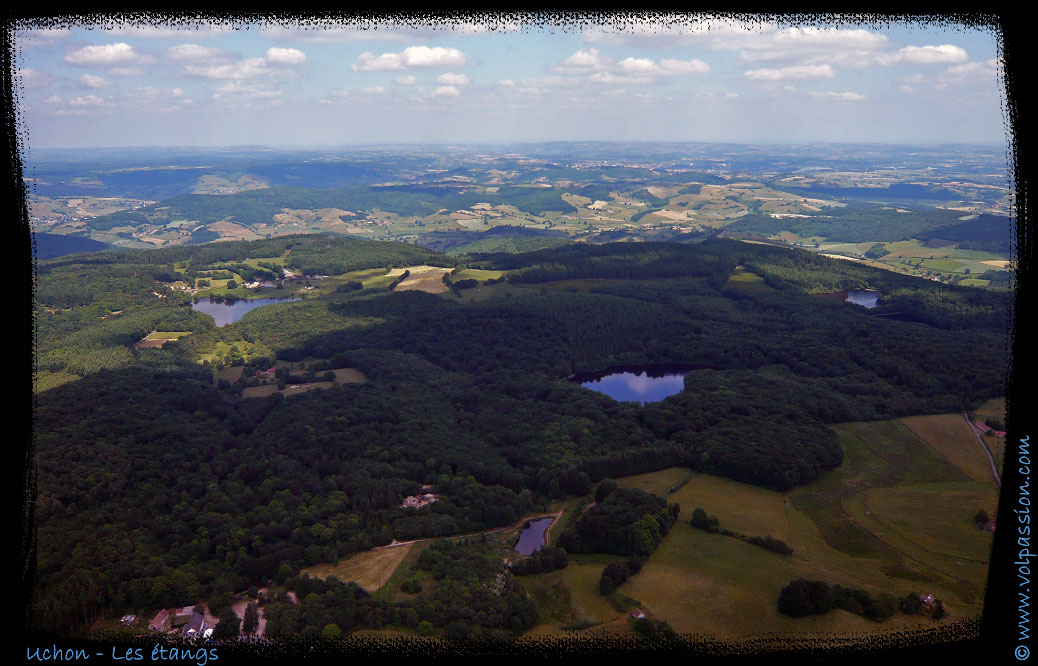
{"type": "Point", "coordinates": [310, 253]}
{"type": "Point", "coordinates": [160, 483]}
{"type": "Point", "coordinates": [262, 205]}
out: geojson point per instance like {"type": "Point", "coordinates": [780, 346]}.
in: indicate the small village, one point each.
{"type": "Point", "coordinates": [197, 622]}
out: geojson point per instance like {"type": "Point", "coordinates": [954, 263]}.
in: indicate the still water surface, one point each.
{"type": "Point", "coordinates": [532, 537]}
{"type": "Point", "coordinates": [229, 312]}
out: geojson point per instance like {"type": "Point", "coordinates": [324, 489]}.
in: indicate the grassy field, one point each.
{"type": "Point", "coordinates": [371, 569]}
{"type": "Point", "coordinates": [660, 483]}
{"type": "Point", "coordinates": [895, 518]}
{"type": "Point", "coordinates": [747, 282]}
{"type": "Point", "coordinates": [487, 292]}
{"type": "Point", "coordinates": [425, 278]}
{"type": "Point", "coordinates": [349, 376]}
{"type": "Point", "coordinates": [157, 339]}
{"type": "Point", "coordinates": [46, 379]}
{"type": "Point", "coordinates": [476, 274]}
{"type": "Point", "coordinates": [952, 437]}
{"type": "Point", "coordinates": [291, 389]}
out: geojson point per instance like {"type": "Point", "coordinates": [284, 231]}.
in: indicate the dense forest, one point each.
{"type": "Point", "coordinates": [160, 486]}
{"type": "Point", "coordinates": [862, 222]}
{"type": "Point", "coordinates": [260, 206]}
{"type": "Point", "coordinates": [627, 521]}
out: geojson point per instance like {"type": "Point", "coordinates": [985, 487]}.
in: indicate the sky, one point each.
{"type": "Point", "coordinates": [668, 78]}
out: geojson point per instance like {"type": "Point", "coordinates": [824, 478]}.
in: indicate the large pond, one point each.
{"type": "Point", "coordinates": [228, 312]}
{"type": "Point", "coordinates": [864, 297]}
{"type": "Point", "coordinates": [532, 537]}
{"type": "Point", "coordinates": [646, 383]}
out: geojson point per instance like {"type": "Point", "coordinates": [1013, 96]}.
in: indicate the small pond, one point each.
{"type": "Point", "coordinates": [864, 297]}
{"type": "Point", "coordinates": [532, 537]}
{"type": "Point", "coordinates": [228, 312]}
{"type": "Point", "coordinates": [640, 383]}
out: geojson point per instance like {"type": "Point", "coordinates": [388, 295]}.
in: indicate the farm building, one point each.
{"type": "Point", "coordinates": [195, 627]}
{"type": "Point", "coordinates": [183, 615]}
{"type": "Point", "coordinates": [418, 501]}
{"type": "Point", "coordinates": [637, 614]}
{"type": "Point", "coordinates": [988, 430]}
{"type": "Point", "coordinates": [161, 621]}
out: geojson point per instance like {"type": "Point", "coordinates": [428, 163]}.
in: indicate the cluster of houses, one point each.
{"type": "Point", "coordinates": [418, 501]}
{"type": "Point", "coordinates": [259, 283]}
{"type": "Point", "coordinates": [189, 621]}
{"type": "Point", "coordinates": [289, 275]}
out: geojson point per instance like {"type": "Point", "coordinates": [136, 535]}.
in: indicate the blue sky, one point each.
{"type": "Point", "coordinates": [687, 79]}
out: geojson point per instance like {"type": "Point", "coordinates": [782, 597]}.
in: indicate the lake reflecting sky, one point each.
{"type": "Point", "coordinates": [228, 313]}
{"type": "Point", "coordinates": [627, 386]}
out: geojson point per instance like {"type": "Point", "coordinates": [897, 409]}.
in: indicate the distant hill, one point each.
{"type": "Point", "coordinates": [505, 238]}
{"type": "Point", "coordinates": [50, 246]}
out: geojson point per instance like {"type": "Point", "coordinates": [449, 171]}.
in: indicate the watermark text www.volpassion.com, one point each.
{"type": "Point", "coordinates": [1023, 561]}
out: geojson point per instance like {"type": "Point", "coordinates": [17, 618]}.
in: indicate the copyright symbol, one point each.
{"type": "Point", "coordinates": [1022, 652]}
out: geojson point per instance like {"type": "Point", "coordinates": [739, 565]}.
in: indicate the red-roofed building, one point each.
{"type": "Point", "coordinates": [161, 622]}
{"type": "Point", "coordinates": [984, 427]}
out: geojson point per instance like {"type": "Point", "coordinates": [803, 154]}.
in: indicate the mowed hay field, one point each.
{"type": "Point", "coordinates": [370, 569]}
{"type": "Point", "coordinates": [896, 517]}
{"type": "Point", "coordinates": [952, 436]}
{"type": "Point", "coordinates": [424, 278]}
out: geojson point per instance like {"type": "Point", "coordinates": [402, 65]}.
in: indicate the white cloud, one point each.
{"type": "Point", "coordinates": [41, 36]}
{"type": "Point", "coordinates": [666, 67]}
{"type": "Point", "coordinates": [242, 69]}
{"type": "Point", "coordinates": [30, 78]}
{"type": "Point", "coordinates": [693, 66]}
{"type": "Point", "coordinates": [89, 100]}
{"type": "Point", "coordinates": [375, 90]}
{"type": "Point", "coordinates": [285, 56]}
{"type": "Point", "coordinates": [971, 68]}
{"type": "Point", "coordinates": [446, 91]}
{"type": "Point", "coordinates": [126, 71]}
{"type": "Point", "coordinates": [250, 91]}
{"type": "Point", "coordinates": [584, 61]}
{"type": "Point", "coordinates": [53, 99]}
{"type": "Point", "coordinates": [452, 79]}
{"type": "Point", "coordinates": [412, 56]}
{"type": "Point", "coordinates": [795, 72]}
{"type": "Point", "coordinates": [811, 46]}
{"type": "Point", "coordinates": [651, 32]}
{"type": "Point", "coordinates": [194, 53]}
{"type": "Point", "coordinates": [106, 54]}
{"type": "Point", "coordinates": [331, 33]}
{"type": "Point", "coordinates": [92, 81]}
{"type": "Point", "coordinates": [846, 96]}
{"type": "Point", "coordinates": [608, 78]}
{"type": "Point", "coordinates": [926, 55]}
{"type": "Point", "coordinates": [194, 30]}
{"type": "Point", "coordinates": [506, 83]}
{"type": "Point", "coordinates": [408, 80]}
